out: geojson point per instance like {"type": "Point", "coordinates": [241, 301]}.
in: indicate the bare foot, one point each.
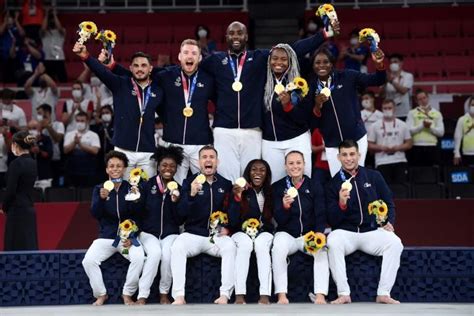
{"type": "Point", "coordinates": [101, 300]}
{"type": "Point", "coordinates": [282, 299]}
{"type": "Point", "coordinates": [222, 300]}
{"type": "Point", "coordinates": [240, 299]}
{"type": "Point", "coordinates": [179, 301]}
{"type": "Point", "coordinates": [343, 299]}
{"type": "Point", "coordinates": [164, 299]}
{"type": "Point", "coordinates": [264, 299]}
{"type": "Point", "coordinates": [320, 299]}
{"type": "Point", "coordinates": [127, 300]}
{"type": "Point", "coordinates": [385, 299]}
{"type": "Point", "coordinates": [141, 301]}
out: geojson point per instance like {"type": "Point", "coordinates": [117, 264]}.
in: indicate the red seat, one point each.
{"type": "Point", "coordinates": [448, 28]}
{"type": "Point", "coordinates": [393, 30]}
{"type": "Point", "coordinates": [409, 65]}
{"type": "Point", "coordinates": [160, 48]}
{"type": "Point", "coordinates": [125, 51]}
{"type": "Point", "coordinates": [74, 69]}
{"type": "Point", "coordinates": [430, 68]}
{"type": "Point", "coordinates": [452, 46]}
{"type": "Point", "coordinates": [426, 46]}
{"type": "Point", "coordinates": [457, 68]}
{"type": "Point", "coordinates": [468, 27]}
{"type": "Point", "coordinates": [422, 29]}
{"type": "Point", "coordinates": [217, 33]}
{"type": "Point", "coordinates": [160, 34]}
{"type": "Point", "coordinates": [181, 33]}
{"type": "Point", "coordinates": [400, 46]}
{"type": "Point", "coordinates": [135, 35]}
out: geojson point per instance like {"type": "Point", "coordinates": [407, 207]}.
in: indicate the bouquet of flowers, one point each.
{"type": "Point", "coordinates": [128, 229]}
{"type": "Point", "coordinates": [328, 14]}
{"type": "Point", "coordinates": [373, 38]}
{"type": "Point", "coordinates": [380, 210]}
{"type": "Point", "coordinates": [217, 220]}
{"type": "Point", "coordinates": [136, 175]}
{"type": "Point", "coordinates": [86, 29]}
{"type": "Point", "coordinates": [313, 242]}
{"type": "Point", "coordinates": [108, 38]}
{"type": "Point", "coordinates": [252, 227]}
{"type": "Point", "coordinates": [298, 89]}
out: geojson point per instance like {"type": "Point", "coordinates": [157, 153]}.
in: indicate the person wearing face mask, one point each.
{"type": "Point", "coordinates": [399, 86]}
{"type": "Point", "coordinates": [369, 113]}
{"type": "Point", "coordinates": [285, 120]}
{"type": "Point", "coordinates": [296, 214]}
{"type": "Point", "coordinates": [12, 116]}
{"type": "Point", "coordinates": [42, 152]}
{"type": "Point", "coordinates": [105, 129]}
{"type": "Point", "coordinates": [426, 126]}
{"type": "Point", "coordinates": [159, 132]}
{"type": "Point", "coordinates": [201, 195]}
{"type": "Point", "coordinates": [94, 89]}
{"type": "Point", "coordinates": [355, 56]}
{"type": "Point", "coordinates": [52, 35]}
{"type": "Point", "coordinates": [337, 110]}
{"type": "Point", "coordinates": [81, 147]}
{"type": "Point", "coordinates": [28, 57]}
{"type": "Point", "coordinates": [20, 226]}
{"type": "Point", "coordinates": [353, 228]}
{"type": "Point", "coordinates": [11, 32]}
{"type": "Point", "coordinates": [160, 223]}
{"type": "Point", "coordinates": [389, 138]}
{"type": "Point", "coordinates": [46, 93]}
{"type": "Point", "coordinates": [253, 200]}
{"type": "Point", "coordinates": [203, 37]}
{"type": "Point", "coordinates": [464, 135]}
{"type": "Point", "coordinates": [78, 103]}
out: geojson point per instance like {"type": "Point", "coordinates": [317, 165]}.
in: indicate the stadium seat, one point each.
{"type": "Point", "coordinates": [158, 48]}
{"type": "Point", "coordinates": [409, 64]}
{"type": "Point", "coordinates": [451, 46]}
{"type": "Point", "coordinates": [125, 51]}
{"type": "Point", "coordinates": [135, 35]}
{"type": "Point", "coordinates": [461, 191]}
{"type": "Point", "coordinates": [424, 175]}
{"type": "Point", "coordinates": [74, 69]}
{"type": "Point", "coordinates": [217, 32]}
{"type": "Point", "coordinates": [182, 32]}
{"type": "Point", "coordinates": [84, 194]}
{"type": "Point", "coordinates": [402, 46]}
{"type": "Point", "coordinates": [457, 67]}
{"type": "Point", "coordinates": [448, 28]}
{"type": "Point", "coordinates": [60, 194]}
{"type": "Point", "coordinates": [430, 67]}
{"type": "Point", "coordinates": [425, 47]}
{"type": "Point", "coordinates": [428, 191]}
{"type": "Point", "coordinates": [394, 30]}
{"type": "Point", "coordinates": [400, 191]}
{"type": "Point", "coordinates": [468, 27]}
{"type": "Point", "coordinates": [421, 29]}
{"type": "Point", "coordinates": [160, 34]}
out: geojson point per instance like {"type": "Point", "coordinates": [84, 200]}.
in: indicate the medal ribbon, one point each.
{"type": "Point", "coordinates": [237, 72]}
{"type": "Point", "coordinates": [330, 82]}
{"type": "Point", "coordinates": [188, 93]}
{"type": "Point", "coordinates": [297, 186]}
{"type": "Point", "coordinates": [161, 186]}
{"type": "Point", "coordinates": [142, 104]}
{"type": "Point", "coordinates": [343, 176]}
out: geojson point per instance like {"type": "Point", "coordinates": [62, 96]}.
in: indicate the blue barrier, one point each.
{"type": "Point", "coordinates": [57, 277]}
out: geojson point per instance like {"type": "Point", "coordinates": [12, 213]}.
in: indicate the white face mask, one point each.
{"type": "Point", "coordinates": [107, 117]}
{"type": "Point", "coordinates": [39, 117]}
{"type": "Point", "coordinates": [366, 104]}
{"type": "Point", "coordinates": [33, 132]}
{"type": "Point", "coordinates": [202, 33]}
{"type": "Point", "coordinates": [159, 132]}
{"type": "Point", "coordinates": [471, 110]}
{"type": "Point", "coordinates": [76, 94]}
{"type": "Point", "coordinates": [81, 126]}
{"type": "Point", "coordinates": [394, 67]}
{"type": "Point", "coordinates": [388, 114]}
{"type": "Point", "coordinates": [312, 26]}
{"type": "Point", "coordinates": [354, 41]}
{"type": "Point", "coordinates": [95, 82]}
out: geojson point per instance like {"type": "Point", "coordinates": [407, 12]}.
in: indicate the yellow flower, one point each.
{"type": "Point", "coordinates": [88, 26]}
{"type": "Point", "coordinates": [365, 33]}
{"type": "Point", "coordinates": [224, 219]}
{"type": "Point", "coordinates": [143, 175]}
{"type": "Point", "coordinates": [251, 222]}
{"type": "Point", "coordinates": [380, 209]}
{"type": "Point", "coordinates": [127, 225]}
{"type": "Point", "coordinates": [320, 240]}
{"type": "Point", "coordinates": [301, 84]}
{"type": "Point", "coordinates": [135, 172]}
{"type": "Point", "coordinates": [324, 9]}
{"type": "Point", "coordinates": [110, 36]}
{"type": "Point", "coordinates": [313, 241]}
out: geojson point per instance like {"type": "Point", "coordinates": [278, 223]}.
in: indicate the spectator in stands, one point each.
{"type": "Point", "coordinates": [110, 209]}
{"type": "Point", "coordinates": [81, 147]}
{"type": "Point", "coordinates": [4, 146]}
{"type": "Point", "coordinates": [354, 229]}
{"type": "Point", "coordinates": [55, 130]}
{"type": "Point", "coordinates": [27, 58]}
{"type": "Point", "coordinates": [11, 114]}
{"type": "Point", "coordinates": [464, 134]}
{"type": "Point", "coordinates": [95, 90]}
{"type": "Point", "coordinates": [10, 34]}
{"type": "Point", "coordinates": [399, 86]}
{"type": "Point", "coordinates": [134, 111]}
{"type": "Point", "coordinates": [295, 216]}
{"type": "Point", "coordinates": [42, 152]}
{"type": "Point", "coordinates": [426, 125]}
{"type": "Point", "coordinates": [369, 113]}
{"type": "Point", "coordinates": [105, 129]}
{"type": "Point", "coordinates": [254, 200]}
{"type": "Point", "coordinates": [52, 37]}
{"type": "Point", "coordinates": [159, 132]}
{"type": "Point", "coordinates": [32, 15]}
{"type": "Point", "coordinates": [206, 43]}
{"type": "Point", "coordinates": [160, 223]}
{"type": "Point", "coordinates": [355, 56]}
{"type": "Point", "coordinates": [321, 172]}
{"type": "Point", "coordinates": [197, 201]}
{"type": "Point", "coordinates": [78, 103]}
{"type": "Point", "coordinates": [20, 226]}
{"type": "Point", "coordinates": [389, 138]}
{"type": "Point", "coordinates": [338, 114]}
{"type": "Point", "coordinates": [46, 93]}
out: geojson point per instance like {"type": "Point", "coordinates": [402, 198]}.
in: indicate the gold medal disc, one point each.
{"type": "Point", "coordinates": [188, 111]}
{"type": "Point", "coordinates": [237, 86]}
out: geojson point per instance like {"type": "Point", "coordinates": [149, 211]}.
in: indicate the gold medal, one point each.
{"type": "Point", "coordinates": [237, 86]}
{"type": "Point", "coordinates": [279, 88]}
{"type": "Point", "coordinates": [292, 192]}
{"type": "Point", "coordinates": [346, 185]}
{"type": "Point", "coordinates": [326, 92]}
{"type": "Point", "coordinates": [188, 111]}
{"type": "Point", "coordinates": [241, 182]}
{"type": "Point", "coordinates": [109, 185]}
{"type": "Point", "coordinates": [172, 185]}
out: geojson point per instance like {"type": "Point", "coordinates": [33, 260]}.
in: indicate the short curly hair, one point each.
{"type": "Point", "coordinates": [116, 154]}
{"type": "Point", "coordinates": [172, 152]}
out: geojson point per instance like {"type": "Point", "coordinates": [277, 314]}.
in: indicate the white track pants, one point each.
{"type": "Point", "coordinates": [102, 249]}
{"type": "Point", "coordinates": [156, 250]}
{"type": "Point", "coordinates": [139, 160]}
{"type": "Point", "coordinates": [335, 164]}
{"type": "Point", "coordinates": [190, 245]}
{"type": "Point", "coordinates": [244, 244]}
{"type": "Point", "coordinates": [378, 242]}
{"type": "Point", "coordinates": [274, 153]}
{"type": "Point", "coordinates": [236, 147]}
{"type": "Point", "coordinates": [190, 161]}
{"type": "Point", "coordinates": [284, 245]}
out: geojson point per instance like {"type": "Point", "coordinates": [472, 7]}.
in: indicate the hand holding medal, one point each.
{"type": "Point", "coordinates": [172, 186]}
{"type": "Point", "coordinates": [86, 30]}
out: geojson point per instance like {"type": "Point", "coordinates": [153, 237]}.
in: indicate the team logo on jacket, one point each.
{"type": "Point", "coordinates": [367, 185]}
{"type": "Point", "coordinates": [339, 86]}
{"type": "Point", "coordinates": [225, 61]}
{"type": "Point", "coordinates": [153, 190]}
{"type": "Point", "coordinates": [134, 93]}
{"type": "Point", "coordinates": [177, 82]}
{"type": "Point", "coordinates": [249, 59]}
{"type": "Point", "coordinates": [200, 85]}
{"type": "Point", "coordinates": [220, 190]}
{"type": "Point", "coordinates": [307, 191]}
{"type": "Point", "coordinates": [153, 95]}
